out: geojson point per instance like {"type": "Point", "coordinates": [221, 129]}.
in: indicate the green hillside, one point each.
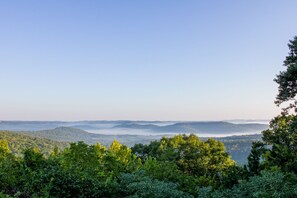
{"type": "Point", "coordinates": [70, 134]}
{"type": "Point", "coordinates": [18, 142]}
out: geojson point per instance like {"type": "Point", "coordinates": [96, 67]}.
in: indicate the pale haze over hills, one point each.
{"type": "Point", "coordinates": [143, 128]}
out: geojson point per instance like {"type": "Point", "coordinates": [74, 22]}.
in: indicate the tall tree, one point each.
{"type": "Point", "coordinates": [287, 80]}
{"type": "Point", "coordinates": [254, 158]}
{"type": "Point", "coordinates": [281, 138]}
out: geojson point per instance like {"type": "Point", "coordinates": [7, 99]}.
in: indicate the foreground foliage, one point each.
{"type": "Point", "coordinates": [181, 166]}
{"type": "Point", "coordinates": [96, 171]}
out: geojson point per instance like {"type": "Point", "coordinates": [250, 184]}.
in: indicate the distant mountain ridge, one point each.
{"type": "Point", "coordinates": [143, 132]}
{"type": "Point", "coordinates": [199, 127]}
{"type": "Point", "coordinates": [218, 127]}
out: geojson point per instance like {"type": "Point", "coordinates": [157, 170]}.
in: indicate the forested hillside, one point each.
{"type": "Point", "coordinates": [70, 134]}
{"type": "Point", "coordinates": [19, 142]}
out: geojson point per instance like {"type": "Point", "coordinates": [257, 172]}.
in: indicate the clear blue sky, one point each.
{"type": "Point", "coordinates": [142, 60]}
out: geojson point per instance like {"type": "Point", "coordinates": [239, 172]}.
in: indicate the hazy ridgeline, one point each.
{"type": "Point", "coordinates": [208, 129]}
{"type": "Point", "coordinates": [135, 132]}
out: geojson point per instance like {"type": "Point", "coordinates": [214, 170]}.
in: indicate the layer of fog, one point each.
{"type": "Point", "coordinates": [248, 121]}
{"type": "Point", "coordinates": [145, 132]}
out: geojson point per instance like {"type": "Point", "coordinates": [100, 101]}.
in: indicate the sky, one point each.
{"type": "Point", "coordinates": [142, 60]}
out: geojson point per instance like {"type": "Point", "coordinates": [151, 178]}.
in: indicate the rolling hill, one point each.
{"type": "Point", "coordinates": [18, 142]}
{"type": "Point", "coordinates": [70, 134]}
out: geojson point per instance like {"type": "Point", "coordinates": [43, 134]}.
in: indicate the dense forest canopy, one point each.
{"type": "Point", "coordinates": [179, 166]}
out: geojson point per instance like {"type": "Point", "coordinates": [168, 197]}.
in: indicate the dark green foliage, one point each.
{"type": "Point", "coordinates": [268, 184]}
{"type": "Point", "coordinates": [278, 147]}
{"type": "Point", "coordinates": [287, 80]}
{"type": "Point", "coordinates": [139, 185]}
{"type": "Point", "coordinates": [255, 157]}
{"type": "Point", "coordinates": [233, 175]}
{"type": "Point", "coordinates": [10, 170]}
{"type": "Point", "coordinates": [282, 137]}
{"type": "Point", "coordinates": [169, 172]}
